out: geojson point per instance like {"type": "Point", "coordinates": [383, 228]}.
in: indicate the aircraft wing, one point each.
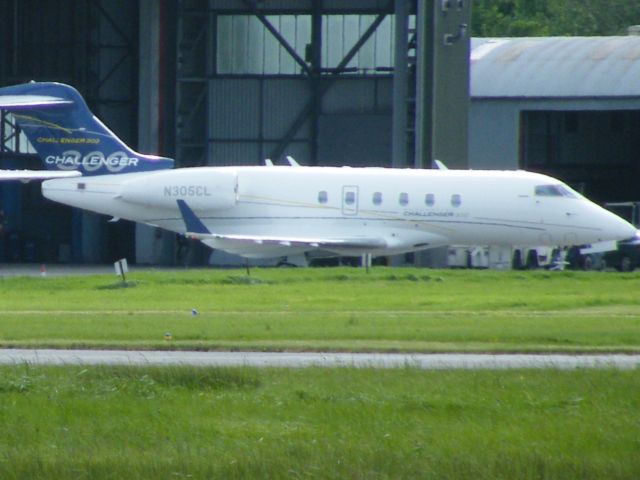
{"type": "Point", "coordinates": [26, 175]}
{"type": "Point", "coordinates": [355, 243]}
{"type": "Point", "coordinates": [244, 243]}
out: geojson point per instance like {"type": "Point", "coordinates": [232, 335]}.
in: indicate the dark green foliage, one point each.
{"type": "Point", "coordinates": [541, 18]}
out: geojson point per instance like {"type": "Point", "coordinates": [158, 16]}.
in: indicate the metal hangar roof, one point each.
{"type": "Point", "coordinates": [555, 67]}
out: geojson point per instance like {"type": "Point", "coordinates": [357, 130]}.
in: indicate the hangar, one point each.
{"type": "Point", "coordinates": [331, 82]}
{"type": "Point", "coordinates": [568, 107]}
{"type": "Point", "coordinates": [229, 82]}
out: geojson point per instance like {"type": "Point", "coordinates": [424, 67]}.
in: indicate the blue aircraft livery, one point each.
{"type": "Point", "coordinates": [67, 136]}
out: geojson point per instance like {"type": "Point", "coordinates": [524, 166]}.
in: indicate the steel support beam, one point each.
{"type": "Point", "coordinates": [325, 85]}
{"type": "Point", "coordinates": [424, 84]}
{"type": "Point", "coordinates": [442, 83]}
{"type": "Point", "coordinates": [290, 50]}
{"type": "Point", "coordinates": [400, 84]}
{"type": "Point", "coordinates": [195, 43]}
{"type": "Point", "coordinates": [315, 77]}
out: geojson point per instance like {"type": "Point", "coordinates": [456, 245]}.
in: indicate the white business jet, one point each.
{"type": "Point", "coordinates": [273, 211]}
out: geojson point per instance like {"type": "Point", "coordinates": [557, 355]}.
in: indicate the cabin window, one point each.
{"type": "Point", "coordinates": [404, 199]}
{"type": "Point", "coordinates": [349, 198]}
{"type": "Point", "coordinates": [456, 200]}
{"type": "Point", "coordinates": [377, 198]}
{"type": "Point", "coordinates": [322, 196]}
{"type": "Point", "coordinates": [429, 199]}
{"type": "Point", "coordinates": [554, 191]}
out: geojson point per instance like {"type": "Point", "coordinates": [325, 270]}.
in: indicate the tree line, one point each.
{"type": "Point", "coordinates": [544, 18]}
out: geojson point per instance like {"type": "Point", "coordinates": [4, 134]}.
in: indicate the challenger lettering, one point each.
{"type": "Point", "coordinates": [419, 213]}
{"type": "Point", "coordinates": [73, 159]}
{"type": "Point", "coordinates": [81, 140]}
{"type": "Point", "coordinates": [70, 141]}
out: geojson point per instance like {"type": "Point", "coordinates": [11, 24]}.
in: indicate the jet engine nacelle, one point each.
{"type": "Point", "coordinates": [201, 189]}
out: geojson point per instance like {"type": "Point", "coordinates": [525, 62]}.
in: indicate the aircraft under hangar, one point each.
{"type": "Point", "coordinates": [353, 113]}
{"type": "Point", "coordinates": [275, 211]}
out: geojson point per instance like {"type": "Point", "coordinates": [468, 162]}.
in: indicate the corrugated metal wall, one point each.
{"type": "Point", "coordinates": [260, 97]}
{"type": "Point", "coordinates": [248, 117]}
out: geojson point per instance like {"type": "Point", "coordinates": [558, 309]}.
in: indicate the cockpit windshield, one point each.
{"type": "Point", "coordinates": [557, 190]}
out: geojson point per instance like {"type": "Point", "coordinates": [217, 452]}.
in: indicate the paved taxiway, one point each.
{"type": "Point", "coordinates": [315, 359]}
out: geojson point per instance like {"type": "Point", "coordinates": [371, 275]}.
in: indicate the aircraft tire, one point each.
{"type": "Point", "coordinates": [587, 263]}
{"type": "Point", "coordinates": [516, 262]}
{"type": "Point", "coordinates": [532, 259]}
{"type": "Point", "coordinates": [626, 264]}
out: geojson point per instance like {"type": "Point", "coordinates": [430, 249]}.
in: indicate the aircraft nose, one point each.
{"type": "Point", "coordinates": [619, 229]}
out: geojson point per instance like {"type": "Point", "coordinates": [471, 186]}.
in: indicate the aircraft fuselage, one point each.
{"type": "Point", "coordinates": [405, 209]}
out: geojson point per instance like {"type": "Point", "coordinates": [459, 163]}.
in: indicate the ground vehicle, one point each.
{"type": "Point", "coordinates": [625, 259]}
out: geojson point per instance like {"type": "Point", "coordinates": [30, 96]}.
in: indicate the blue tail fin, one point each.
{"type": "Point", "coordinates": [67, 136]}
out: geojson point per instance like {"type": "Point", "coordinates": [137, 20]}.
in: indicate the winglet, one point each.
{"type": "Point", "coordinates": [191, 220]}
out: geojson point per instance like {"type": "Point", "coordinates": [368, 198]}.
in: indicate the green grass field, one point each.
{"type": "Point", "coordinates": [204, 423]}
{"type": "Point", "coordinates": [149, 423]}
{"type": "Point", "coordinates": [328, 309]}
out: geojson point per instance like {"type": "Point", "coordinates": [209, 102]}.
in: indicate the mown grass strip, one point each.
{"type": "Point", "coordinates": [180, 422]}
{"type": "Point", "coordinates": [334, 309]}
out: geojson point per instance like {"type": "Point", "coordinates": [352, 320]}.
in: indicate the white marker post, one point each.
{"type": "Point", "coordinates": [121, 268]}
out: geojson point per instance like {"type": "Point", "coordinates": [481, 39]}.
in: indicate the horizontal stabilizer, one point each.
{"type": "Point", "coordinates": [31, 101]}
{"type": "Point", "coordinates": [26, 175]}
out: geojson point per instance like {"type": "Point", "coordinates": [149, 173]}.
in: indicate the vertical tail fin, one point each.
{"type": "Point", "coordinates": [67, 136]}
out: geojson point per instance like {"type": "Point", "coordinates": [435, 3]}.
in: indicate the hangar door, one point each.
{"type": "Point", "coordinates": [596, 152]}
